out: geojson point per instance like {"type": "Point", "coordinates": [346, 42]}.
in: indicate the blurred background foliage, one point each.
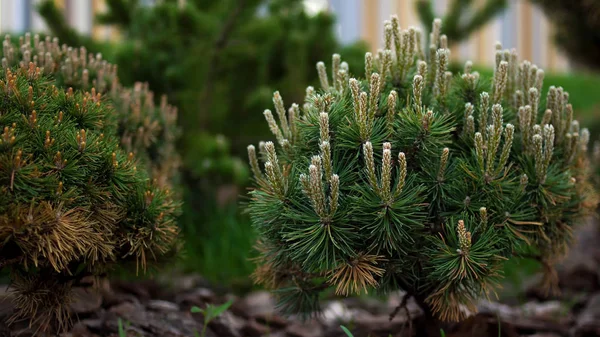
{"type": "Point", "coordinates": [462, 19]}
{"type": "Point", "coordinates": [578, 29]}
{"type": "Point", "coordinates": [578, 36]}
{"type": "Point", "coordinates": [220, 61]}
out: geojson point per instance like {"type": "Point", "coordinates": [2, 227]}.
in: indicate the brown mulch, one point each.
{"type": "Point", "coordinates": [149, 308]}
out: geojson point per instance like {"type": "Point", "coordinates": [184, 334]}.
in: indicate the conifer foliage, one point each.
{"type": "Point", "coordinates": [414, 178]}
{"type": "Point", "coordinates": [146, 130]}
{"type": "Point", "coordinates": [72, 201]}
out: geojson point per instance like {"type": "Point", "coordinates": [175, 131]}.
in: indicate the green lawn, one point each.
{"type": "Point", "coordinates": [219, 246]}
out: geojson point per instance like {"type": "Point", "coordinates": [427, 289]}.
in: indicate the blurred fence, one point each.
{"type": "Point", "coordinates": [17, 16]}
{"type": "Point", "coordinates": [522, 26]}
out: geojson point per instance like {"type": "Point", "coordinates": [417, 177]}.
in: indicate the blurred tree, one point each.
{"type": "Point", "coordinates": [577, 30]}
{"type": "Point", "coordinates": [55, 21]}
{"type": "Point", "coordinates": [218, 62]}
{"type": "Point", "coordinates": [462, 19]}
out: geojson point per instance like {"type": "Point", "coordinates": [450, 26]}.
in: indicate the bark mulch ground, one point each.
{"type": "Point", "coordinates": [152, 309]}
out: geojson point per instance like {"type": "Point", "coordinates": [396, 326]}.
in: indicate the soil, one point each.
{"type": "Point", "coordinates": [157, 309]}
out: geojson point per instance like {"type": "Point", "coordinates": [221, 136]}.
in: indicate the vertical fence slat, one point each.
{"type": "Point", "coordinates": [370, 10]}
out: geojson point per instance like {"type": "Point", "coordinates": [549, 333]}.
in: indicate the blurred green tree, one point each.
{"type": "Point", "coordinates": [577, 34]}
{"type": "Point", "coordinates": [462, 19]}
{"type": "Point", "coordinates": [577, 30]}
{"type": "Point", "coordinates": [218, 62]}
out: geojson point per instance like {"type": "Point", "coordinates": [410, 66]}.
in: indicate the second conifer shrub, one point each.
{"type": "Point", "coordinates": [415, 178]}
{"type": "Point", "coordinates": [72, 202]}
{"type": "Point", "coordinates": [146, 129]}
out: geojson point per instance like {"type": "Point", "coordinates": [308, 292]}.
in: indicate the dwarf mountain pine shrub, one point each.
{"type": "Point", "coordinates": [416, 179]}
{"type": "Point", "coordinates": [146, 130]}
{"type": "Point", "coordinates": [72, 202]}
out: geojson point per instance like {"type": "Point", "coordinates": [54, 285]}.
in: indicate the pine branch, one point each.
{"type": "Point", "coordinates": [57, 23]}
{"type": "Point", "coordinates": [491, 9]}
{"type": "Point", "coordinates": [58, 26]}
{"type": "Point", "coordinates": [119, 13]}
{"type": "Point", "coordinates": [455, 27]}
{"type": "Point", "coordinates": [402, 305]}
{"type": "Point", "coordinates": [426, 14]}
{"type": "Point", "coordinates": [453, 19]}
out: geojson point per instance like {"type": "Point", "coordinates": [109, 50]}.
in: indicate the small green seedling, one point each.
{"type": "Point", "coordinates": [348, 333]}
{"type": "Point", "coordinates": [210, 312]}
{"type": "Point", "coordinates": [122, 327]}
